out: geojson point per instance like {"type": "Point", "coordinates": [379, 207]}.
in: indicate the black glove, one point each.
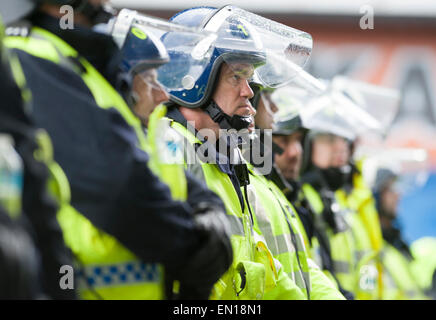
{"type": "Point", "coordinates": [211, 259]}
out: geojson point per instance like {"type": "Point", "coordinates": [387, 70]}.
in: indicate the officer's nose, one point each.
{"type": "Point", "coordinates": [246, 90]}
{"type": "Point", "coordinates": [160, 95]}
{"type": "Point", "coordinates": [293, 149]}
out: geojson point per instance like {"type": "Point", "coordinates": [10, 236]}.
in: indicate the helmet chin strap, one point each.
{"type": "Point", "coordinates": [225, 121]}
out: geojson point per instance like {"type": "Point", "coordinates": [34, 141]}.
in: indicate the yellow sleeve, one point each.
{"type": "Point", "coordinates": [323, 288]}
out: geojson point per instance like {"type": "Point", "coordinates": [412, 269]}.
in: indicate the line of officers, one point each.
{"type": "Point", "coordinates": [112, 133]}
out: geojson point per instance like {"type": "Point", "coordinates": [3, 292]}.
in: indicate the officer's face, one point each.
{"type": "Point", "coordinates": [289, 162]}
{"type": "Point", "coordinates": [389, 200]}
{"type": "Point", "coordinates": [322, 150]}
{"type": "Point", "coordinates": [149, 94]}
{"type": "Point", "coordinates": [266, 109]}
{"type": "Point", "coordinates": [233, 91]}
{"type": "Point", "coordinates": [340, 152]}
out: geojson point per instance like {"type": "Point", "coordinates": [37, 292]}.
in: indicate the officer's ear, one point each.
{"type": "Point", "coordinates": [124, 85]}
{"type": "Point", "coordinates": [133, 99]}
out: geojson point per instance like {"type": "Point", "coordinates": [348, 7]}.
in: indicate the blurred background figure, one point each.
{"type": "Point", "coordinates": [399, 279]}
{"type": "Point", "coordinates": [328, 123]}
{"type": "Point", "coordinates": [354, 194]}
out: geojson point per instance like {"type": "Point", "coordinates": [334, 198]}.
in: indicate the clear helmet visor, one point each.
{"type": "Point", "coordinates": [188, 49]}
{"type": "Point", "coordinates": [324, 114]}
{"type": "Point", "coordinates": [276, 51]}
{"type": "Point", "coordinates": [320, 109]}
{"type": "Point", "coordinates": [380, 102]}
{"type": "Point", "coordinates": [358, 119]}
{"type": "Point", "coordinates": [291, 99]}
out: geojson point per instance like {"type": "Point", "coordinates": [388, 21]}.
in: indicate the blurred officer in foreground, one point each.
{"type": "Point", "coordinates": [31, 244]}
{"type": "Point", "coordinates": [118, 218]}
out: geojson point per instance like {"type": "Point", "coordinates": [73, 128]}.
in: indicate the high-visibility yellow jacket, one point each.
{"type": "Point", "coordinates": [366, 258]}
{"type": "Point", "coordinates": [277, 220]}
{"type": "Point", "coordinates": [341, 243]}
{"type": "Point", "coordinates": [399, 281]}
{"type": "Point", "coordinates": [361, 200]}
{"type": "Point", "coordinates": [423, 265]}
{"type": "Point", "coordinates": [254, 274]}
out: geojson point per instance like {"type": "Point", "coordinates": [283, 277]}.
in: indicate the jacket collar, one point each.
{"type": "Point", "coordinates": [222, 161]}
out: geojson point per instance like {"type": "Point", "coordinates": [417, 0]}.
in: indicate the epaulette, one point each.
{"type": "Point", "coordinates": [19, 28]}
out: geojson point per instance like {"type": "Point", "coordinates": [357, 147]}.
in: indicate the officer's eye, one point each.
{"type": "Point", "coordinates": [236, 77]}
